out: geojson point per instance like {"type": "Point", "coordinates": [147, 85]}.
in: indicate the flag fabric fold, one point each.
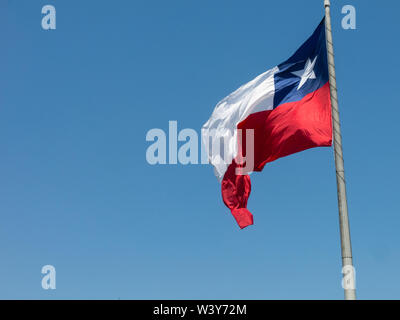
{"type": "Point", "coordinates": [286, 109]}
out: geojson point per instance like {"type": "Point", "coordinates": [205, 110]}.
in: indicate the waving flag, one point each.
{"type": "Point", "coordinates": [287, 109]}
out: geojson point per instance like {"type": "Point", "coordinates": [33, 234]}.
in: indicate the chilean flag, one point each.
{"type": "Point", "coordinates": [287, 109]}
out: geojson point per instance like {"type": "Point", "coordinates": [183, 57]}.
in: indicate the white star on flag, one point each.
{"type": "Point", "coordinates": [306, 73]}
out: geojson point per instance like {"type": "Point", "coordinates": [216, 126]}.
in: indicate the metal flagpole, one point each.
{"type": "Point", "coordinates": [347, 258]}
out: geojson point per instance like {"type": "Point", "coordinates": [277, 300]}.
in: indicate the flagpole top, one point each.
{"type": "Point", "coordinates": [327, 3]}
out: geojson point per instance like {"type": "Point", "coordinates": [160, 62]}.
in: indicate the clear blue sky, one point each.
{"type": "Point", "coordinates": [76, 191]}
